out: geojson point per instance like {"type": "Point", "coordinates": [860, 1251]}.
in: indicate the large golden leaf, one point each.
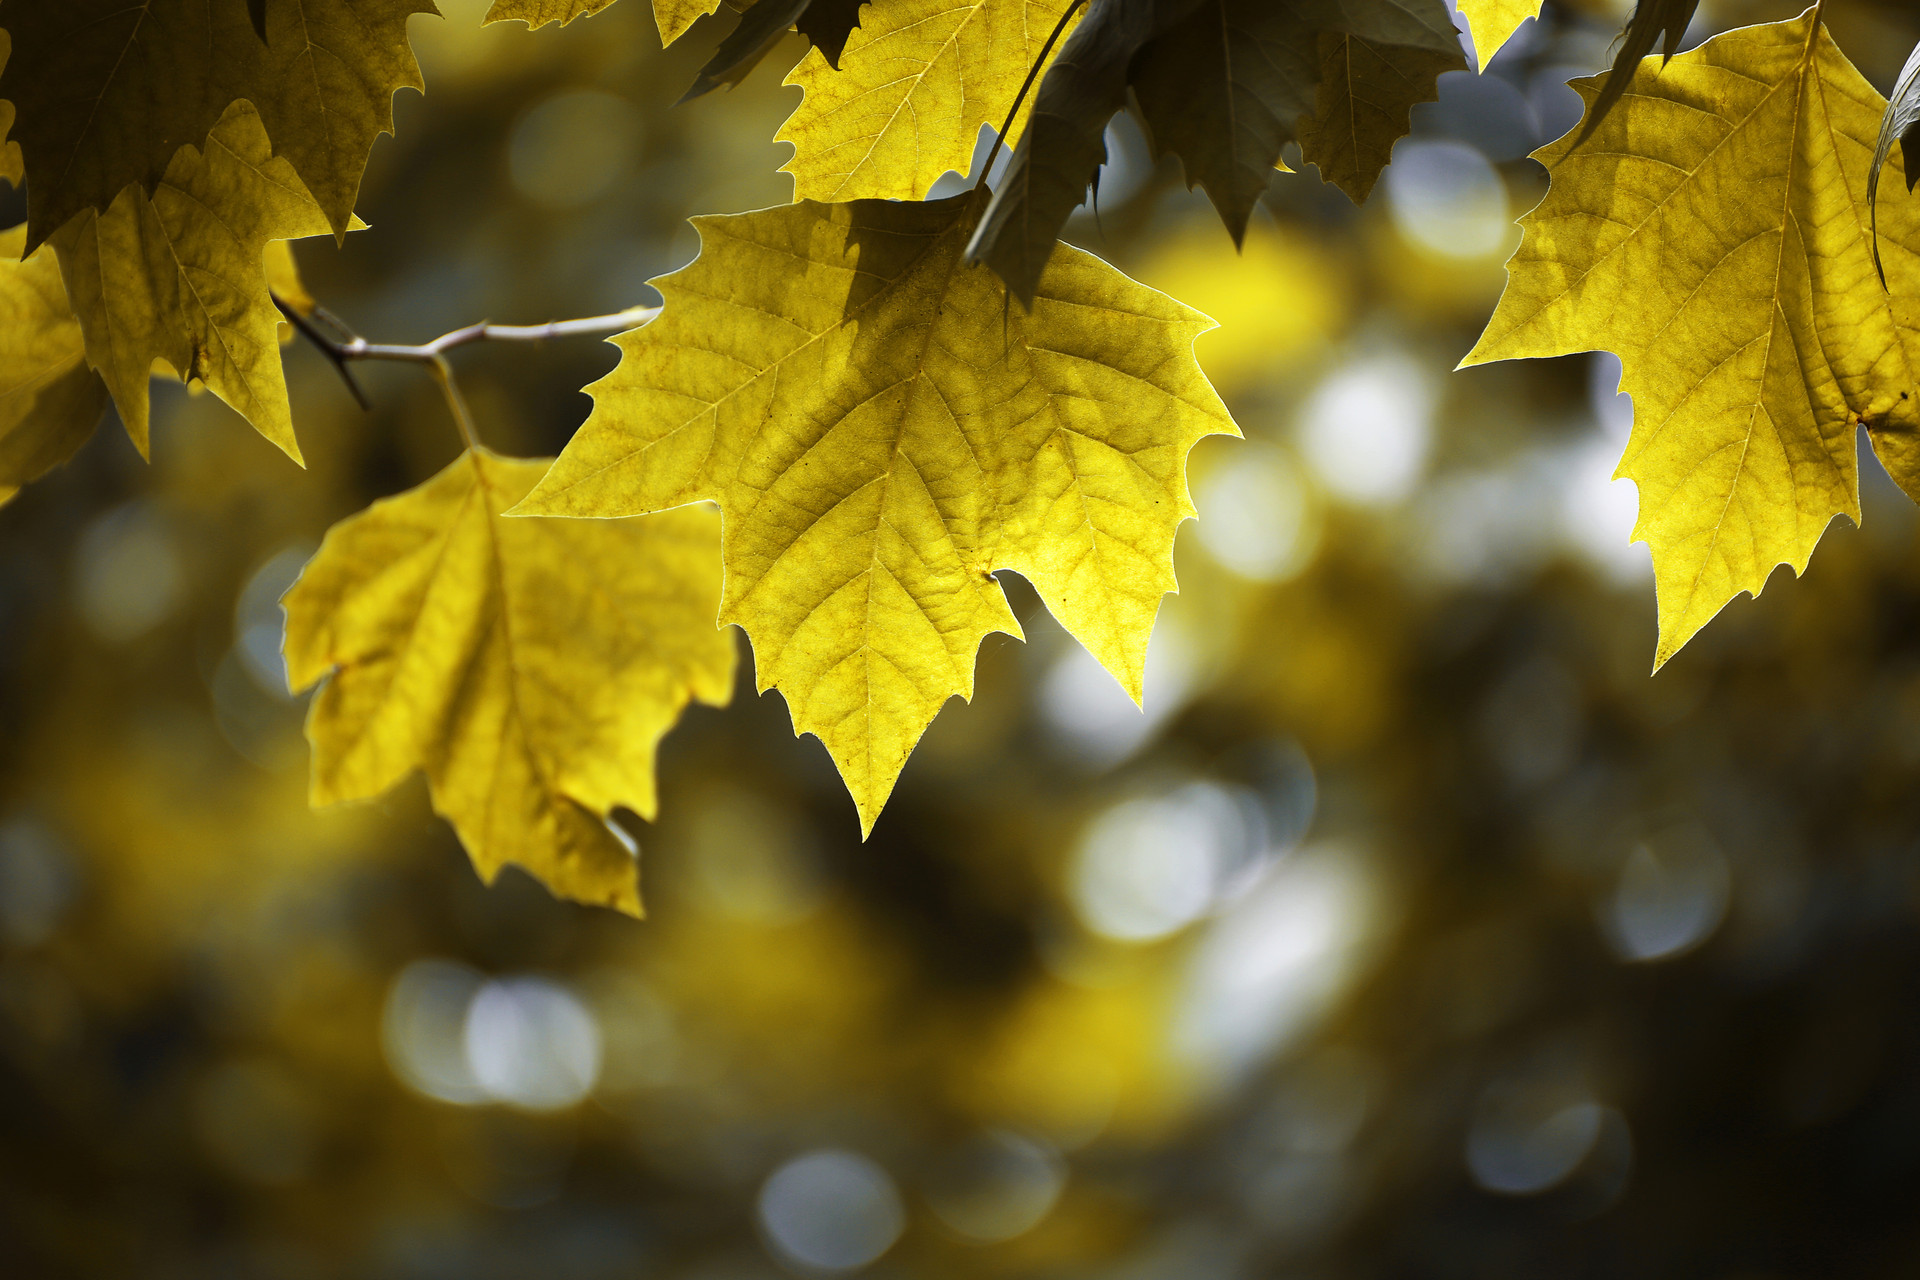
{"type": "Point", "coordinates": [528, 667]}
{"type": "Point", "coordinates": [1713, 232]}
{"type": "Point", "coordinates": [107, 91]}
{"type": "Point", "coordinates": [50, 401]}
{"type": "Point", "coordinates": [1492, 23]}
{"type": "Point", "coordinates": [917, 79]}
{"type": "Point", "coordinates": [882, 434]}
{"type": "Point", "coordinates": [181, 276]}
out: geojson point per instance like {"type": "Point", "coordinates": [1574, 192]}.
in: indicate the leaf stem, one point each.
{"type": "Point", "coordinates": [349, 346]}
{"type": "Point", "coordinates": [456, 403]}
{"type": "Point", "coordinates": [1032, 72]}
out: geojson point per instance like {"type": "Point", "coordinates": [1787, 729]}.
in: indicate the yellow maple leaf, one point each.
{"type": "Point", "coordinates": [50, 401]}
{"type": "Point", "coordinates": [538, 13]}
{"type": "Point", "coordinates": [108, 91]}
{"type": "Point", "coordinates": [883, 432]}
{"type": "Point", "coordinates": [917, 79]}
{"type": "Point", "coordinates": [181, 276]}
{"type": "Point", "coordinates": [528, 667]}
{"type": "Point", "coordinates": [1713, 233]}
{"type": "Point", "coordinates": [1492, 23]}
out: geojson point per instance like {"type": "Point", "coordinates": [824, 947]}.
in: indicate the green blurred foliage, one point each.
{"type": "Point", "coordinates": [1414, 930]}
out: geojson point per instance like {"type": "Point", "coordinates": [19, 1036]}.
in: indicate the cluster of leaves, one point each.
{"type": "Point", "coordinates": [892, 398]}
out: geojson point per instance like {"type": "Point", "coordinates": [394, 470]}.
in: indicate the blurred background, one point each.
{"type": "Point", "coordinates": [1413, 930]}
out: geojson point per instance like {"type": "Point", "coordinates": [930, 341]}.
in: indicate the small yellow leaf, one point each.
{"type": "Point", "coordinates": [674, 17]}
{"type": "Point", "coordinates": [528, 667]}
{"type": "Point", "coordinates": [50, 401]}
{"type": "Point", "coordinates": [538, 13]}
{"type": "Point", "coordinates": [1713, 233]}
{"type": "Point", "coordinates": [917, 79]}
{"type": "Point", "coordinates": [1492, 23]}
{"type": "Point", "coordinates": [883, 431]}
{"type": "Point", "coordinates": [182, 277]}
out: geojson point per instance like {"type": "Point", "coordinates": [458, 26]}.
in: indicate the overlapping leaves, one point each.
{"type": "Point", "coordinates": [913, 87]}
{"type": "Point", "coordinates": [882, 436]}
{"type": "Point", "coordinates": [1224, 85]}
{"type": "Point", "coordinates": [108, 92]}
{"type": "Point", "coordinates": [181, 277]}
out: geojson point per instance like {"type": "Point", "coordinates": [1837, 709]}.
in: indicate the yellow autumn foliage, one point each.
{"type": "Point", "coordinates": [1713, 233]}
{"type": "Point", "coordinates": [538, 13]}
{"type": "Point", "coordinates": [182, 277]}
{"type": "Point", "coordinates": [674, 17]}
{"type": "Point", "coordinates": [884, 432]}
{"type": "Point", "coordinates": [528, 667]}
{"type": "Point", "coordinates": [1492, 23]}
{"type": "Point", "coordinates": [917, 80]}
{"type": "Point", "coordinates": [50, 401]}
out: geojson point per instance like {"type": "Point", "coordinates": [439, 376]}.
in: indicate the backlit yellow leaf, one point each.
{"type": "Point", "coordinates": [528, 667]}
{"type": "Point", "coordinates": [674, 17]}
{"type": "Point", "coordinates": [1492, 23]}
{"type": "Point", "coordinates": [50, 401]}
{"type": "Point", "coordinates": [917, 79]}
{"type": "Point", "coordinates": [883, 432]}
{"type": "Point", "coordinates": [1713, 233]}
{"type": "Point", "coordinates": [181, 277]}
{"type": "Point", "coordinates": [108, 91]}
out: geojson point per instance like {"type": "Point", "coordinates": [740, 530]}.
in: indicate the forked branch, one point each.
{"type": "Point", "coordinates": [343, 346]}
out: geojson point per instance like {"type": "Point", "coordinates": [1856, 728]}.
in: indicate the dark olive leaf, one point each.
{"type": "Point", "coordinates": [1368, 89]}
{"type": "Point", "coordinates": [1651, 19]}
{"type": "Point", "coordinates": [744, 46]}
{"type": "Point", "coordinates": [827, 23]}
{"type": "Point", "coordinates": [1064, 144]}
{"type": "Point", "coordinates": [106, 92]}
{"type": "Point", "coordinates": [1224, 85]}
{"type": "Point", "coordinates": [1222, 90]}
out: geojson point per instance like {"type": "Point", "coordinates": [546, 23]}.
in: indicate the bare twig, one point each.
{"type": "Point", "coordinates": [349, 346]}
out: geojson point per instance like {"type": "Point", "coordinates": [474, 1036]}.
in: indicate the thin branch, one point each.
{"type": "Point", "coordinates": [327, 347]}
{"type": "Point", "coordinates": [1021, 97]}
{"type": "Point", "coordinates": [350, 346]}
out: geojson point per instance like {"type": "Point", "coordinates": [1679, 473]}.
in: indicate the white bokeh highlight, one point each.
{"type": "Point", "coordinates": [830, 1210]}
{"type": "Point", "coordinates": [1367, 429]}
